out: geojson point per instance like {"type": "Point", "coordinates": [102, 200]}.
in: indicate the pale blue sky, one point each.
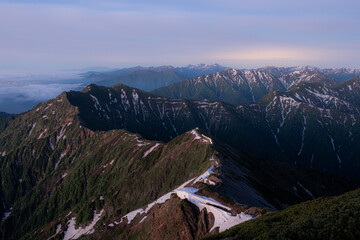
{"type": "Point", "coordinates": [52, 35]}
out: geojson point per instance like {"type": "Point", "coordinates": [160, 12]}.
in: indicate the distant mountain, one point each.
{"type": "Point", "coordinates": [305, 75]}
{"type": "Point", "coordinates": [142, 78]}
{"type": "Point", "coordinates": [338, 74]}
{"type": "Point", "coordinates": [192, 71]}
{"type": "Point", "coordinates": [4, 114]}
{"type": "Point", "coordinates": [237, 86]}
{"type": "Point", "coordinates": [281, 71]}
{"type": "Point", "coordinates": [88, 69]}
{"type": "Point", "coordinates": [149, 78]}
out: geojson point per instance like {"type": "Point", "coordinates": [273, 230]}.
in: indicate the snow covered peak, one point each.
{"type": "Point", "coordinates": [200, 136]}
{"type": "Point", "coordinates": [203, 66]}
{"type": "Point", "coordinates": [304, 75]}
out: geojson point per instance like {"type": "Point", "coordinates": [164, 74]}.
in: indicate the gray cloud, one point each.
{"type": "Point", "coordinates": [19, 96]}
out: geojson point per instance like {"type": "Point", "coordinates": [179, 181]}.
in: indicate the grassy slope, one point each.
{"type": "Point", "coordinates": [323, 218]}
{"type": "Point", "coordinates": [128, 183]}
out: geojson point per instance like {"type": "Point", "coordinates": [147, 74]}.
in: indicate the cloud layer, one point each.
{"type": "Point", "coordinates": [16, 97]}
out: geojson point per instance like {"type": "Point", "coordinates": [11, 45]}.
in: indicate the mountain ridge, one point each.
{"type": "Point", "coordinates": [238, 86]}
{"type": "Point", "coordinates": [149, 78]}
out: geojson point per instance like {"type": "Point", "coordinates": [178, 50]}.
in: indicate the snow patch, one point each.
{"type": "Point", "coordinates": [51, 145]}
{"type": "Point", "coordinates": [306, 190]}
{"type": "Point", "coordinates": [6, 215]}
{"type": "Point", "coordinates": [62, 132]}
{"type": "Point", "coordinates": [41, 134]}
{"type": "Point", "coordinates": [58, 229]}
{"type": "Point", "coordinates": [63, 154]}
{"type": "Point", "coordinates": [204, 177]}
{"type": "Point", "coordinates": [131, 215]}
{"type": "Point", "coordinates": [151, 149]}
{"type": "Point", "coordinates": [32, 128]}
{"type": "Point", "coordinates": [73, 233]}
{"type": "Point", "coordinates": [302, 137]}
{"type": "Point", "coordinates": [124, 100]}
{"type": "Point", "coordinates": [143, 219]}
{"type": "Point", "coordinates": [201, 137]}
{"type": "Point", "coordinates": [223, 218]}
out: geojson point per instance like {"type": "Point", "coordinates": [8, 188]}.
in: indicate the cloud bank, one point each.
{"type": "Point", "coordinates": [17, 97]}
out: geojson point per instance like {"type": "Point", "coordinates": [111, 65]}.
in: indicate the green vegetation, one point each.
{"type": "Point", "coordinates": [110, 165]}
{"type": "Point", "coordinates": [323, 218]}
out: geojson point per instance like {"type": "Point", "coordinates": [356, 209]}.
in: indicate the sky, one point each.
{"type": "Point", "coordinates": [55, 35]}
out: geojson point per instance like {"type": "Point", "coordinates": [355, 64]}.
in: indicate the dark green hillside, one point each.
{"type": "Point", "coordinates": [323, 218]}
{"type": "Point", "coordinates": [4, 122]}
{"type": "Point", "coordinates": [113, 165]}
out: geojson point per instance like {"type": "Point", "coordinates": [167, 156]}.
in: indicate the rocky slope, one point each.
{"type": "Point", "coordinates": [238, 86]}
{"type": "Point", "coordinates": [232, 86]}
{"type": "Point", "coordinates": [338, 74]}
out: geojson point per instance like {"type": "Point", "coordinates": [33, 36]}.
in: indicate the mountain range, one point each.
{"type": "Point", "coordinates": [238, 86]}
{"type": "Point", "coordinates": [149, 78]}
{"type": "Point", "coordinates": [120, 163]}
{"type": "Point", "coordinates": [338, 74]}
{"type": "Point", "coordinates": [18, 96]}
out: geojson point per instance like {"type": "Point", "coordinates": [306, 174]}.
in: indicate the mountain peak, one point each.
{"type": "Point", "coordinates": [204, 66]}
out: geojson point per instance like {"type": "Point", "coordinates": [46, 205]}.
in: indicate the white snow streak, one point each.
{"type": "Point", "coordinates": [6, 215]}
{"type": "Point", "coordinates": [201, 137]}
{"type": "Point", "coordinates": [51, 145]}
{"type": "Point", "coordinates": [204, 177]}
{"type": "Point", "coordinates": [302, 137]}
{"type": "Point", "coordinates": [72, 233]}
{"type": "Point", "coordinates": [306, 190]}
{"type": "Point", "coordinates": [32, 128]}
{"type": "Point", "coordinates": [151, 149]}
{"type": "Point", "coordinates": [223, 218]}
